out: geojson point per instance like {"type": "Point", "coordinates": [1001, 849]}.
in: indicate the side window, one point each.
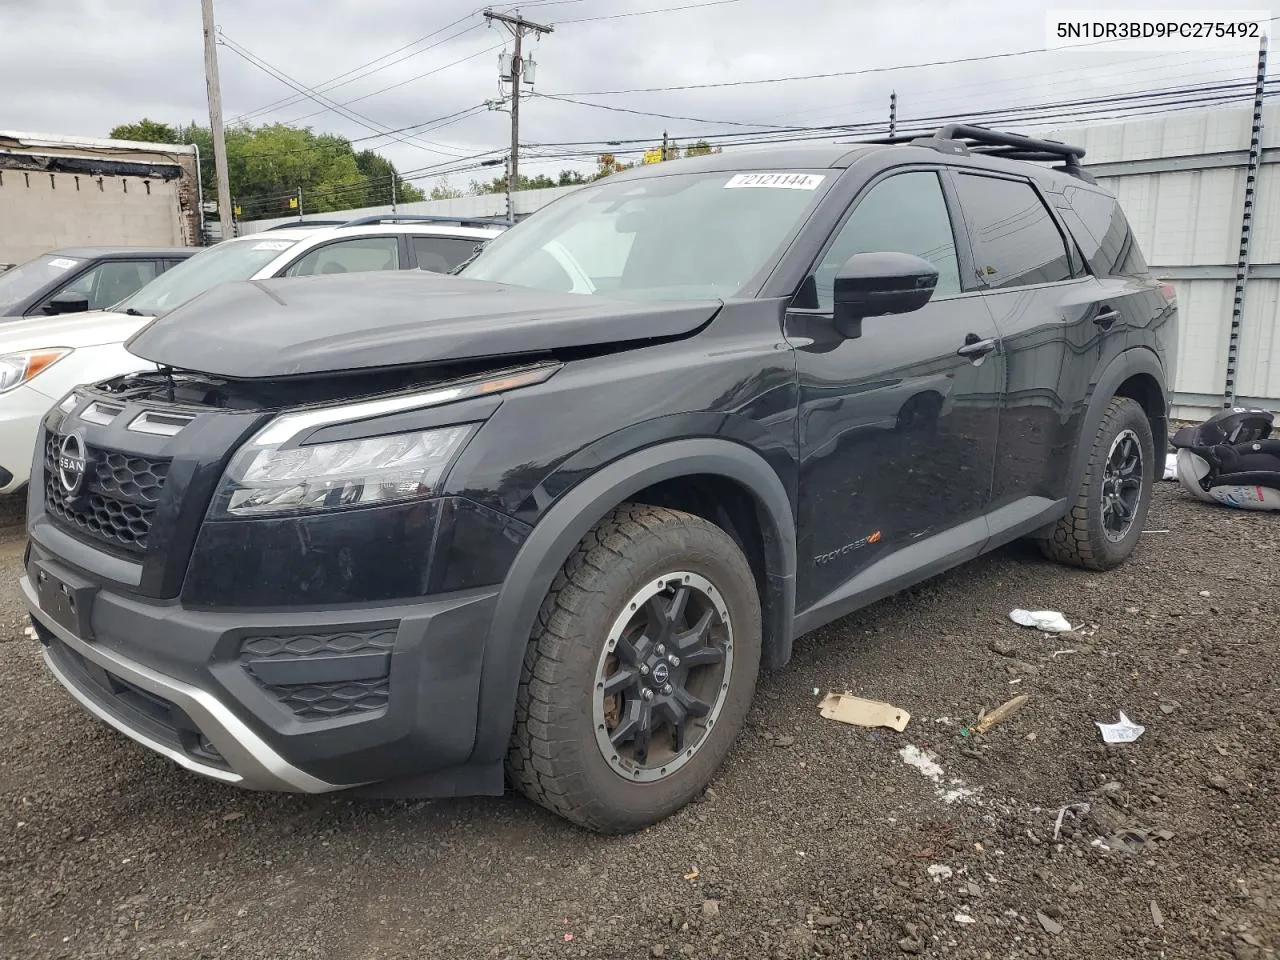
{"type": "Point", "coordinates": [358, 255]}
{"type": "Point", "coordinates": [1015, 241]}
{"type": "Point", "coordinates": [1105, 235]}
{"type": "Point", "coordinates": [109, 283]}
{"type": "Point", "coordinates": [442, 254]}
{"type": "Point", "coordinates": [905, 214]}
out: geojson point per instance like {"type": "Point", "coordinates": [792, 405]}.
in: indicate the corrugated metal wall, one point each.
{"type": "Point", "coordinates": [1181, 180]}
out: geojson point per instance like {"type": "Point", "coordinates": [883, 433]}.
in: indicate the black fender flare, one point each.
{"type": "Point", "coordinates": [569, 519]}
{"type": "Point", "coordinates": [1134, 361]}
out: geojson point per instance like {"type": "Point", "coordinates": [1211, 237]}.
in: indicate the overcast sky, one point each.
{"type": "Point", "coordinates": [79, 67]}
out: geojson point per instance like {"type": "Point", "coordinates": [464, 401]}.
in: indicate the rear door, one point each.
{"type": "Point", "coordinates": [1058, 324]}
{"type": "Point", "coordinates": [440, 254]}
{"type": "Point", "coordinates": [105, 284]}
{"type": "Point", "coordinates": [362, 254]}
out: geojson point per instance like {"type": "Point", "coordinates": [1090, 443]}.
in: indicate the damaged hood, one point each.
{"type": "Point", "coordinates": [328, 324]}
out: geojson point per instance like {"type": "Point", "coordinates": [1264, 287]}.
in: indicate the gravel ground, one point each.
{"type": "Point", "coordinates": [816, 839]}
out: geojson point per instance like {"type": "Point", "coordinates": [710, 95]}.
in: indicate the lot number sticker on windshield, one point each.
{"type": "Point", "coordinates": [273, 245]}
{"type": "Point", "coordinates": [778, 181]}
{"type": "Point", "coordinates": [62, 263]}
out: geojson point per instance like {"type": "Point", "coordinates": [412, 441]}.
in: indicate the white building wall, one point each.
{"type": "Point", "coordinates": [1181, 180]}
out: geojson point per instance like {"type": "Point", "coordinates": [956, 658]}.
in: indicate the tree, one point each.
{"type": "Point", "coordinates": [499, 184]}
{"type": "Point", "coordinates": [380, 174]}
{"type": "Point", "coordinates": [700, 149]}
{"type": "Point", "coordinates": [609, 164]}
{"type": "Point", "coordinates": [145, 131]}
{"type": "Point", "coordinates": [268, 165]}
{"type": "Point", "coordinates": [444, 190]}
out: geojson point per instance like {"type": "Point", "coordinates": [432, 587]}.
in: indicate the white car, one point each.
{"type": "Point", "coordinates": [42, 359]}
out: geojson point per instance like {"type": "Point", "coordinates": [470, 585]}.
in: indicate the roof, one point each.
{"type": "Point", "coordinates": [122, 253]}
{"type": "Point", "coordinates": [93, 143]}
{"type": "Point", "coordinates": [803, 157]}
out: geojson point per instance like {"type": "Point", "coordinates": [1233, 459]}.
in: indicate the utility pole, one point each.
{"type": "Point", "coordinates": [665, 155]}
{"type": "Point", "coordinates": [519, 27]}
{"type": "Point", "coordinates": [215, 119]}
{"type": "Point", "coordinates": [299, 204]}
{"type": "Point", "coordinates": [1246, 227]}
{"type": "Point", "coordinates": [893, 113]}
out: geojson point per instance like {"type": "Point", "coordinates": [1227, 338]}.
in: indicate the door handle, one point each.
{"type": "Point", "coordinates": [1106, 317]}
{"type": "Point", "coordinates": [975, 349]}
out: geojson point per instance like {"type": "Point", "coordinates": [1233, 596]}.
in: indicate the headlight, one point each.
{"type": "Point", "coordinates": [266, 479]}
{"type": "Point", "coordinates": [17, 368]}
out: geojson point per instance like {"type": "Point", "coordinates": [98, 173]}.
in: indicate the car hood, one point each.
{"type": "Point", "coordinates": [69, 330]}
{"type": "Point", "coordinates": [329, 324]}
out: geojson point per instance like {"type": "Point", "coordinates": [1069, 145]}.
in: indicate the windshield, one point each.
{"type": "Point", "coordinates": [683, 236]}
{"type": "Point", "coordinates": [233, 260]}
{"type": "Point", "coordinates": [21, 282]}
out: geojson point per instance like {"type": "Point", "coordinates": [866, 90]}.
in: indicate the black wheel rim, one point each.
{"type": "Point", "coordinates": [1121, 486]}
{"type": "Point", "coordinates": [662, 677]}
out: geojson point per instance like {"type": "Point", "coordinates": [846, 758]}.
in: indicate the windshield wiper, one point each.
{"type": "Point", "coordinates": [131, 312]}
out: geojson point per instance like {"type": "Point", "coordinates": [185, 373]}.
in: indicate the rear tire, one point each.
{"type": "Point", "coordinates": [1104, 524]}
{"type": "Point", "coordinates": [587, 640]}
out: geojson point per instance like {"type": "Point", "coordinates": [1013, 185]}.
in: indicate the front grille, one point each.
{"type": "Point", "coordinates": [323, 700]}
{"type": "Point", "coordinates": [117, 499]}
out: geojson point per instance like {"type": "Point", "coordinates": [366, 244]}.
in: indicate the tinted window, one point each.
{"type": "Point", "coordinates": [108, 283]}
{"type": "Point", "coordinates": [360, 255]}
{"type": "Point", "coordinates": [1105, 238]}
{"type": "Point", "coordinates": [18, 283]}
{"type": "Point", "coordinates": [223, 263]}
{"type": "Point", "coordinates": [904, 214]}
{"type": "Point", "coordinates": [442, 254]}
{"type": "Point", "coordinates": [1015, 241]}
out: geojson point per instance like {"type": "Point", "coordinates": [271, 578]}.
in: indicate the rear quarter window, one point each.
{"type": "Point", "coordinates": [1101, 229]}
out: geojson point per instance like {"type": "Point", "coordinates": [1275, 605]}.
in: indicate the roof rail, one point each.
{"type": "Point", "coordinates": [306, 223]}
{"type": "Point", "coordinates": [964, 139]}
{"type": "Point", "coordinates": [423, 218]}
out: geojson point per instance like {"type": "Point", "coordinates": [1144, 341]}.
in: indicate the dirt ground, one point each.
{"type": "Point", "coordinates": [816, 839]}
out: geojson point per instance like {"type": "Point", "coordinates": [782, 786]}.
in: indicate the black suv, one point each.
{"type": "Point", "coordinates": [397, 533]}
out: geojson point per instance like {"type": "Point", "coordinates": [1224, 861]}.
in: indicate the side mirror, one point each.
{"type": "Point", "coordinates": [67, 303]}
{"type": "Point", "coordinates": [875, 284]}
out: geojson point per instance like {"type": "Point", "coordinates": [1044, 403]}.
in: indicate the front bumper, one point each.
{"type": "Point", "coordinates": [21, 411]}
{"type": "Point", "coordinates": [179, 682]}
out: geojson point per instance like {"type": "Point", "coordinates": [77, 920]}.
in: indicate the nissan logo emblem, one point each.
{"type": "Point", "coordinates": [71, 463]}
{"type": "Point", "coordinates": [661, 672]}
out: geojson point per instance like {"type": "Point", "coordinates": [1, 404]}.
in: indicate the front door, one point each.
{"type": "Point", "coordinates": [898, 427]}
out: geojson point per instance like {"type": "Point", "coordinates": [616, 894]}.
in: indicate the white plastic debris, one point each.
{"type": "Point", "coordinates": [30, 633]}
{"type": "Point", "coordinates": [1047, 621]}
{"type": "Point", "coordinates": [1171, 466]}
{"type": "Point", "coordinates": [927, 764]}
{"type": "Point", "coordinates": [1062, 812]}
{"type": "Point", "coordinates": [1122, 731]}
{"type": "Point", "coordinates": [939, 872]}
{"type": "Point", "coordinates": [965, 918]}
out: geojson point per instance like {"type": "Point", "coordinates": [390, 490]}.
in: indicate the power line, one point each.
{"type": "Point", "coordinates": [366, 122]}
{"type": "Point", "coordinates": [335, 82]}
{"type": "Point", "coordinates": [420, 76]}
{"type": "Point", "coordinates": [645, 13]}
{"type": "Point", "coordinates": [646, 113]}
{"type": "Point", "coordinates": [822, 76]}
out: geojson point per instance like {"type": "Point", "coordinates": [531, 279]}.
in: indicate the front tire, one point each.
{"type": "Point", "coordinates": [639, 673]}
{"type": "Point", "coordinates": [1104, 524]}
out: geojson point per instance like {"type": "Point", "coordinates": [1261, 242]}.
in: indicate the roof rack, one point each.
{"type": "Point", "coordinates": [306, 223]}
{"type": "Point", "coordinates": [423, 218]}
{"type": "Point", "coordinates": [964, 139]}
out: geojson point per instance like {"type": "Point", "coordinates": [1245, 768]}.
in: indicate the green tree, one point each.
{"type": "Point", "coordinates": [268, 165]}
{"type": "Point", "coordinates": [445, 190]}
{"type": "Point", "coordinates": [145, 131]}
{"type": "Point", "coordinates": [380, 174]}
{"type": "Point", "coordinates": [700, 149]}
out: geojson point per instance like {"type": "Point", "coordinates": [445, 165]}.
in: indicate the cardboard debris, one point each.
{"type": "Point", "coordinates": [1002, 712]}
{"type": "Point", "coordinates": [846, 708]}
